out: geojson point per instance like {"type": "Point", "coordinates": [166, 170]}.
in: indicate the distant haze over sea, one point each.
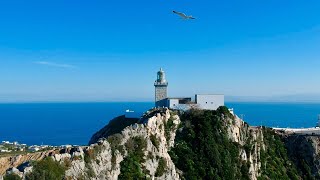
{"type": "Point", "coordinates": [62, 98]}
{"type": "Point", "coordinates": [312, 98]}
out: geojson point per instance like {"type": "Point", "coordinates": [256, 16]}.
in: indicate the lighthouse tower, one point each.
{"type": "Point", "coordinates": [161, 88]}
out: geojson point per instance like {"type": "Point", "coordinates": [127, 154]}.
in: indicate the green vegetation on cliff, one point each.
{"type": "Point", "coordinates": [131, 167]}
{"type": "Point", "coordinates": [47, 169]}
{"type": "Point", "coordinates": [202, 149]}
{"type": "Point", "coordinates": [11, 177]}
{"type": "Point", "coordinates": [304, 152]}
{"type": "Point", "coordinates": [275, 163]}
{"type": "Point", "coordinates": [162, 166]}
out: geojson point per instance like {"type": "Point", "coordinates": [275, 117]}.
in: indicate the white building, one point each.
{"type": "Point", "coordinates": [202, 101]}
{"type": "Point", "coordinates": [179, 103]}
{"type": "Point", "coordinates": [5, 142]}
{"type": "Point", "coordinates": [4, 150]}
{"type": "Point", "coordinates": [34, 148]}
{"type": "Point", "coordinates": [209, 101]}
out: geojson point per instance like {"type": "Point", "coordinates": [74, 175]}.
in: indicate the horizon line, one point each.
{"type": "Point", "coordinates": [230, 101]}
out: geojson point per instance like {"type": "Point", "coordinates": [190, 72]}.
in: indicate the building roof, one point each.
{"type": "Point", "coordinates": [179, 98]}
{"type": "Point", "coordinates": [209, 94]}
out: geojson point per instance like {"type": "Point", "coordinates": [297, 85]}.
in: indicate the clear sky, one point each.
{"type": "Point", "coordinates": [110, 50]}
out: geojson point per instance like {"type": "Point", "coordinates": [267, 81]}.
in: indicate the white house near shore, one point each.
{"type": "Point", "coordinates": [201, 101]}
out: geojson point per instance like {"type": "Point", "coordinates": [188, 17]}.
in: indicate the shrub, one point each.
{"type": "Point", "coordinates": [155, 141]}
{"type": "Point", "coordinates": [47, 169]}
{"type": "Point", "coordinates": [11, 176]}
{"type": "Point", "coordinates": [97, 149]}
{"type": "Point", "coordinates": [225, 111]}
{"type": "Point", "coordinates": [131, 165]}
{"type": "Point", "coordinates": [67, 162]}
{"type": "Point", "coordinates": [114, 142]}
{"type": "Point", "coordinates": [173, 113]}
{"type": "Point", "coordinates": [150, 155]}
{"type": "Point", "coordinates": [88, 155]}
{"type": "Point", "coordinates": [90, 173]}
{"type": "Point", "coordinates": [113, 161]}
{"type": "Point", "coordinates": [136, 145]}
{"type": "Point", "coordinates": [131, 169]}
{"type": "Point", "coordinates": [168, 126]}
{"type": "Point", "coordinates": [162, 166]}
{"type": "Point", "coordinates": [75, 158]}
{"type": "Point", "coordinates": [120, 148]}
{"type": "Point", "coordinates": [91, 154]}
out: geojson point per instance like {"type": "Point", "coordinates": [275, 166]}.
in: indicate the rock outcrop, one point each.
{"type": "Point", "coordinates": [240, 132]}
{"type": "Point", "coordinates": [15, 161]}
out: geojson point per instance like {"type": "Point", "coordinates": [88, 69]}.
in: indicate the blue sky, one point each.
{"type": "Point", "coordinates": [110, 50]}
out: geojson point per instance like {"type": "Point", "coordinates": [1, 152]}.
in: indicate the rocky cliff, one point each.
{"type": "Point", "coordinates": [145, 141]}
{"type": "Point", "coordinates": [304, 151]}
{"type": "Point", "coordinates": [192, 145]}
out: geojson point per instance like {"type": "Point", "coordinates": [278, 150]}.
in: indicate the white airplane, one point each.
{"type": "Point", "coordinates": [183, 16]}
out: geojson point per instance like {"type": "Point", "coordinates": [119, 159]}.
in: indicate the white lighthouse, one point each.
{"type": "Point", "coordinates": [161, 88]}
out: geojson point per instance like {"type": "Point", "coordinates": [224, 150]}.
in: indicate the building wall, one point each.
{"type": "Point", "coordinates": [174, 104]}
{"type": "Point", "coordinates": [209, 101]}
{"type": "Point", "coordinates": [162, 103]}
{"type": "Point", "coordinates": [161, 93]}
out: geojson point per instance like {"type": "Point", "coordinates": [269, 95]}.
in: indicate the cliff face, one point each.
{"type": "Point", "coordinates": [251, 141]}
{"type": "Point", "coordinates": [103, 160]}
{"type": "Point", "coordinates": [196, 144]}
{"type": "Point", "coordinates": [304, 152]}
{"type": "Point", "coordinates": [16, 161]}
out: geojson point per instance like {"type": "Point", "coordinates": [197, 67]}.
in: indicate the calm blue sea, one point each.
{"type": "Point", "coordinates": [74, 123]}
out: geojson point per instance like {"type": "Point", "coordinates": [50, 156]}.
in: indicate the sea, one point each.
{"type": "Point", "coordinates": [74, 123]}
